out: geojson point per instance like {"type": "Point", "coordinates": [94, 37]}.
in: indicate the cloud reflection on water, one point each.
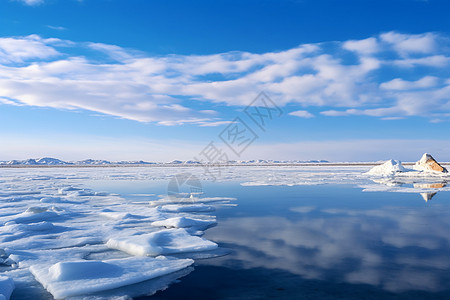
{"type": "Point", "coordinates": [397, 249]}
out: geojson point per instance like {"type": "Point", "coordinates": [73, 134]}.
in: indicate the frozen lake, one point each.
{"type": "Point", "coordinates": [257, 232]}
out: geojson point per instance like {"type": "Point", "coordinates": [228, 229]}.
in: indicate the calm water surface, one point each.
{"type": "Point", "coordinates": [317, 242]}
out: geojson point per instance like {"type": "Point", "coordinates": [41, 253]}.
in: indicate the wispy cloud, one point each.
{"type": "Point", "coordinates": [391, 75]}
{"type": "Point", "coordinates": [60, 28]}
{"type": "Point", "coordinates": [302, 114]}
{"type": "Point", "coordinates": [31, 2]}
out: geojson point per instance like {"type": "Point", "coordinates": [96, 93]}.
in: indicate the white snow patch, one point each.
{"type": "Point", "coordinates": [389, 168]}
{"type": "Point", "coordinates": [116, 215]}
{"type": "Point", "coordinates": [183, 222]}
{"type": "Point", "coordinates": [161, 242]}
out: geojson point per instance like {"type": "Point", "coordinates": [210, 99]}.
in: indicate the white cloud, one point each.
{"type": "Point", "coordinates": [302, 114]}
{"type": "Point", "coordinates": [366, 46]}
{"type": "Point", "coordinates": [400, 84]}
{"type": "Point", "coordinates": [113, 51]}
{"type": "Point", "coordinates": [411, 43]}
{"type": "Point", "coordinates": [437, 61]}
{"type": "Point", "coordinates": [166, 89]}
{"type": "Point", "coordinates": [60, 28]}
{"type": "Point", "coordinates": [31, 2]}
{"type": "Point", "coordinates": [18, 50]}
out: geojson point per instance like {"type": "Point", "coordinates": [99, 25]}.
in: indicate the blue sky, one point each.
{"type": "Point", "coordinates": [159, 80]}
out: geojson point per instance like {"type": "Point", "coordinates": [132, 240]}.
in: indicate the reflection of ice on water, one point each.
{"type": "Point", "coordinates": [426, 178]}
{"type": "Point", "coordinates": [429, 195]}
{"type": "Point", "coordinates": [427, 188]}
{"type": "Point", "coordinates": [437, 185]}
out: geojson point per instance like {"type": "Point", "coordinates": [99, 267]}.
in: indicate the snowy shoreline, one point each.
{"type": "Point", "coordinates": [163, 165]}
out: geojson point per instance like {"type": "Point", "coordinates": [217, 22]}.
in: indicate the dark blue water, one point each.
{"type": "Point", "coordinates": [319, 242]}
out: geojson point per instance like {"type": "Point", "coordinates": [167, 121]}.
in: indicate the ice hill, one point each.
{"type": "Point", "coordinates": [390, 167]}
{"type": "Point", "coordinates": [427, 165]}
{"type": "Point", "coordinates": [48, 161]}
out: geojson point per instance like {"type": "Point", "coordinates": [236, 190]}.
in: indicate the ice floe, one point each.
{"type": "Point", "coordinates": [166, 241]}
{"type": "Point", "coordinates": [76, 241]}
{"type": "Point", "coordinates": [81, 277]}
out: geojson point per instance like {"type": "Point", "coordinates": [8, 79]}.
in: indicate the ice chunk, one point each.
{"type": "Point", "coordinates": [428, 164]}
{"type": "Point", "coordinates": [6, 287]}
{"type": "Point", "coordinates": [75, 270]}
{"type": "Point", "coordinates": [390, 167]}
{"type": "Point", "coordinates": [72, 278]}
{"type": "Point", "coordinates": [182, 222]}
{"type": "Point", "coordinates": [186, 208]}
{"type": "Point", "coordinates": [146, 288]}
{"type": "Point", "coordinates": [161, 242]}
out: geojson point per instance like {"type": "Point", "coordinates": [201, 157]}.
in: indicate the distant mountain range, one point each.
{"type": "Point", "coordinates": [49, 161]}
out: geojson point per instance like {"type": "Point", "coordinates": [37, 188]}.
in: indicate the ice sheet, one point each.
{"type": "Point", "coordinates": [50, 216]}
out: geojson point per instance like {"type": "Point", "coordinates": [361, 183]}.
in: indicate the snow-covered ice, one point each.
{"type": "Point", "coordinates": [51, 217]}
{"type": "Point", "coordinates": [389, 168]}
{"type": "Point", "coordinates": [58, 234]}
{"type": "Point", "coordinates": [166, 241]}
{"type": "Point", "coordinates": [183, 222]}
{"type": "Point", "coordinates": [81, 277]}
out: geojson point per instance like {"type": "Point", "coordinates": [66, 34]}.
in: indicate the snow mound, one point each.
{"type": "Point", "coordinates": [116, 215]}
{"type": "Point", "coordinates": [428, 164]}
{"type": "Point", "coordinates": [183, 222]}
{"type": "Point", "coordinates": [74, 270]}
{"type": "Point", "coordinates": [34, 214]}
{"type": "Point", "coordinates": [6, 287]}
{"type": "Point", "coordinates": [161, 242]}
{"type": "Point", "coordinates": [390, 167]}
{"type": "Point", "coordinates": [72, 278]}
